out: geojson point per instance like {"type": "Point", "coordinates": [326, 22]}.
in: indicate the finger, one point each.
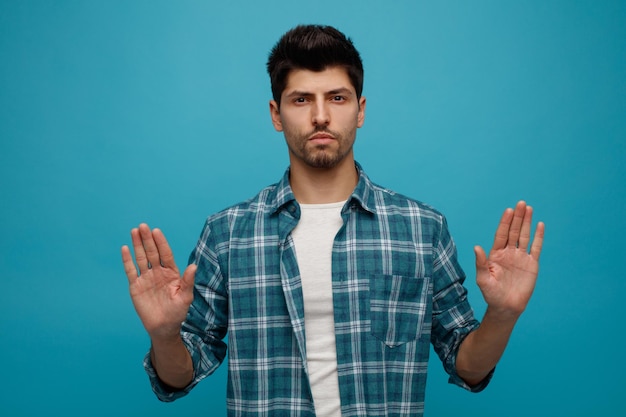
{"type": "Point", "coordinates": [502, 232]}
{"type": "Point", "coordinates": [482, 266]}
{"type": "Point", "coordinates": [152, 253]}
{"type": "Point", "coordinates": [129, 265]}
{"type": "Point", "coordinates": [524, 237]}
{"type": "Point", "coordinates": [189, 275]}
{"type": "Point", "coordinates": [535, 249]}
{"type": "Point", "coordinates": [187, 282]}
{"type": "Point", "coordinates": [140, 252]}
{"type": "Point", "coordinates": [165, 252]}
{"type": "Point", "coordinates": [481, 259]}
{"type": "Point", "coordinates": [516, 224]}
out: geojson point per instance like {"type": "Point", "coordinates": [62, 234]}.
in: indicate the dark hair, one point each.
{"type": "Point", "coordinates": [315, 48]}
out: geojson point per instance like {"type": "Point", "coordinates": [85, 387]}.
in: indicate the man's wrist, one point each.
{"type": "Point", "coordinates": [165, 337]}
{"type": "Point", "coordinates": [501, 316]}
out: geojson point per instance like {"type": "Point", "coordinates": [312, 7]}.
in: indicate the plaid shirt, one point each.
{"type": "Point", "coordinates": [397, 287]}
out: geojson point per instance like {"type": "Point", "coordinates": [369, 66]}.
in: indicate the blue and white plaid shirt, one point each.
{"type": "Point", "coordinates": [397, 287]}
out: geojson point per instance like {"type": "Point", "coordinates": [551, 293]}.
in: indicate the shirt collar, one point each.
{"type": "Point", "coordinates": [282, 195]}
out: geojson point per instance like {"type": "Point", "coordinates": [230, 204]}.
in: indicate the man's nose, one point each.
{"type": "Point", "coordinates": [321, 115]}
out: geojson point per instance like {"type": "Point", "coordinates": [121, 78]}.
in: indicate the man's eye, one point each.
{"type": "Point", "coordinates": [338, 98]}
{"type": "Point", "coordinates": [300, 100]}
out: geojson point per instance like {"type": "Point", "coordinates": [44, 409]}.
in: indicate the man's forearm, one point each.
{"type": "Point", "coordinates": [172, 362]}
{"type": "Point", "coordinates": [482, 349]}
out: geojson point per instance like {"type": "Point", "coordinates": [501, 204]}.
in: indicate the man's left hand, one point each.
{"type": "Point", "coordinates": [507, 277]}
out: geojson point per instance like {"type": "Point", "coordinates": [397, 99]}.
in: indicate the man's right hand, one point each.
{"type": "Point", "coordinates": [160, 296]}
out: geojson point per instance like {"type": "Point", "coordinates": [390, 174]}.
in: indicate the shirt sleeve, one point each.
{"type": "Point", "coordinates": [206, 324]}
{"type": "Point", "coordinates": [453, 317]}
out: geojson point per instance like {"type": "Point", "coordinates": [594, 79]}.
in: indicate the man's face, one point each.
{"type": "Point", "coordinates": [319, 114]}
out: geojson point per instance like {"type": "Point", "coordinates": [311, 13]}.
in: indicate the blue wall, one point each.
{"type": "Point", "coordinates": [116, 112]}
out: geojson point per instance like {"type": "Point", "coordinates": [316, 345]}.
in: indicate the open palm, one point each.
{"type": "Point", "coordinates": [507, 277]}
{"type": "Point", "coordinates": [160, 296]}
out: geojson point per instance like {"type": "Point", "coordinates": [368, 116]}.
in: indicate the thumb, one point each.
{"type": "Point", "coordinates": [189, 275]}
{"type": "Point", "coordinates": [482, 266]}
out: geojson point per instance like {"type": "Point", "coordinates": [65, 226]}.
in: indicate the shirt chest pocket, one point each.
{"type": "Point", "coordinates": [398, 306]}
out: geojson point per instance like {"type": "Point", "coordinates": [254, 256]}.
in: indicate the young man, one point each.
{"type": "Point", "coordinates": [330, 288]}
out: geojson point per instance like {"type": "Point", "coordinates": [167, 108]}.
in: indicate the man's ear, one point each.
{"type": "Point", "coordinates": [275, 114]}
{"type": "Point", "coordinates": [361, 115]}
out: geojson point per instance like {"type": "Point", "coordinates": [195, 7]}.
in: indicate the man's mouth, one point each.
{"type": "Point", "coordinates": [321, 138]}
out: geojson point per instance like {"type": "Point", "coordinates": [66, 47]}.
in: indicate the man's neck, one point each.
{"type": "Point", "coordinates": [323, 185]}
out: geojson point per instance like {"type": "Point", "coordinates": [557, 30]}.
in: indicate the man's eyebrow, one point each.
{"type": "Point", "coordinates": [299, 93]}
{"type": "Point", "coordinates": [341, 90]}
{"type": "Point", "coordinates": [303, 93]}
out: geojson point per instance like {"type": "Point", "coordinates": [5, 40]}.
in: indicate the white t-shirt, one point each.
{"type": "Point", "coordinates": [313, 238]}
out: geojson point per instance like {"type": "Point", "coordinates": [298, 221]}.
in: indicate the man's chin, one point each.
{"type": "Point", "coordinates": [324, 160]}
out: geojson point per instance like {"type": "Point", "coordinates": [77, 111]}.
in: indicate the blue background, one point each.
{"type": "Point", "coordinates": [115, 112]}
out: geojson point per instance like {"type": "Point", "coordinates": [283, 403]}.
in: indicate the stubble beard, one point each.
{"type": "Point", "coordinates": [321, 156]}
